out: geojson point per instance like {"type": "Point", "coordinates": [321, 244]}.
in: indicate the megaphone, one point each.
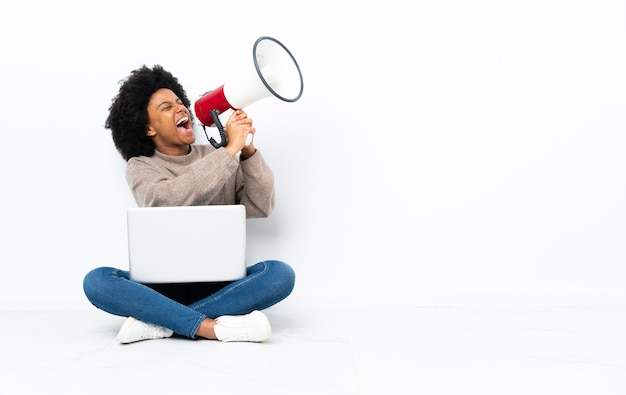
{"type": "Point", "coordinates": [276, 73]}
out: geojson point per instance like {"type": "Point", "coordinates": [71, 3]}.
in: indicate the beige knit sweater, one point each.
{"type": "Point", "coordinates": [205, 176]}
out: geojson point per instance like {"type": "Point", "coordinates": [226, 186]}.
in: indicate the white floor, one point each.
{"type": "Point", "coordinates": [330, 349]}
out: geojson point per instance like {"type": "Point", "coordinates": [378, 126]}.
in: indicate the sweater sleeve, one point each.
{"type": "Point", "coordinates": [255, 187]}
{"type": "Point", "coordinates": [191, 184]}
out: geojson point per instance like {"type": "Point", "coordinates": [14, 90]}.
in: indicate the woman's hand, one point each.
{"type": "Point", "coordinates": [237, 129]}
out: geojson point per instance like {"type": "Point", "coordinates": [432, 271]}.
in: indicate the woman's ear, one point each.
{"type": "Point", "coordinates": [150, 132]}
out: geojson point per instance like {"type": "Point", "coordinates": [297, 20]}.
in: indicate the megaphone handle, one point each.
{"type": "Point", "coordinates": [218, 124]}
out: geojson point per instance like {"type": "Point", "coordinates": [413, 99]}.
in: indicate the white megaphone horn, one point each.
{"type": "Point", "coordinates": [276, 73]}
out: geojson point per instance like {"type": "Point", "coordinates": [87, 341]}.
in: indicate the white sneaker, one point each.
{"type": "Point", "coordinates": [253, 327]}
{"type": "Point", "coordinates": [134, 330]}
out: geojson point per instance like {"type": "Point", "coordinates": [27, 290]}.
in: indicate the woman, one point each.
{"type": "Point", "coordinates": [151, 125]}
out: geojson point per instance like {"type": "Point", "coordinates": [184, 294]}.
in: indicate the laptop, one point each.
{"type": "Point", "coordinates": [187, 244]}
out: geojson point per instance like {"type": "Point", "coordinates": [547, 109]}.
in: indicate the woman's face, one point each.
{"type": "Point", "coordinates": [169, 123]}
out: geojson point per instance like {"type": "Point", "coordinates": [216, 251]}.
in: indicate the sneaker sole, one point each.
{"type": "Point", "coordinates": [124, 329]}
{"type": "Point", "coordinates": [268, 328]}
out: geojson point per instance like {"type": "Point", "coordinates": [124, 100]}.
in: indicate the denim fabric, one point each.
{"type": "Point", "coordinates": [111, 290]}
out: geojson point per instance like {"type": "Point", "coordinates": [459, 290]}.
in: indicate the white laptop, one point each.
{"type": "Point", "coordinates": [187, 244]}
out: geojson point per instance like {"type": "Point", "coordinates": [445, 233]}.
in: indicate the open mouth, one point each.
{"type": "Point", "coordinates": [184, 124]}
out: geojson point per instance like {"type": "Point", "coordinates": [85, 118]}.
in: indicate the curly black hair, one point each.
{"type": "Point", "coordinates": [128, 114]}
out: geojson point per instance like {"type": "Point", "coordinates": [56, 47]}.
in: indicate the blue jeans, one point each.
{"type": "Point", "coordinates": [111, 290]}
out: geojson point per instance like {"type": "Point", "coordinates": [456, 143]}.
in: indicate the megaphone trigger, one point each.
{"type": "Point", "coordinates": [249, 139]}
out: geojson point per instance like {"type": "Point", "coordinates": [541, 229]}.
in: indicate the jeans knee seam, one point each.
{"type": "Point", "coordinates": [237, 286]}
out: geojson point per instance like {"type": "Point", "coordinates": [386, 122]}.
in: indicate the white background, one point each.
{"type": "Point", "coordinates": [441, 150]}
